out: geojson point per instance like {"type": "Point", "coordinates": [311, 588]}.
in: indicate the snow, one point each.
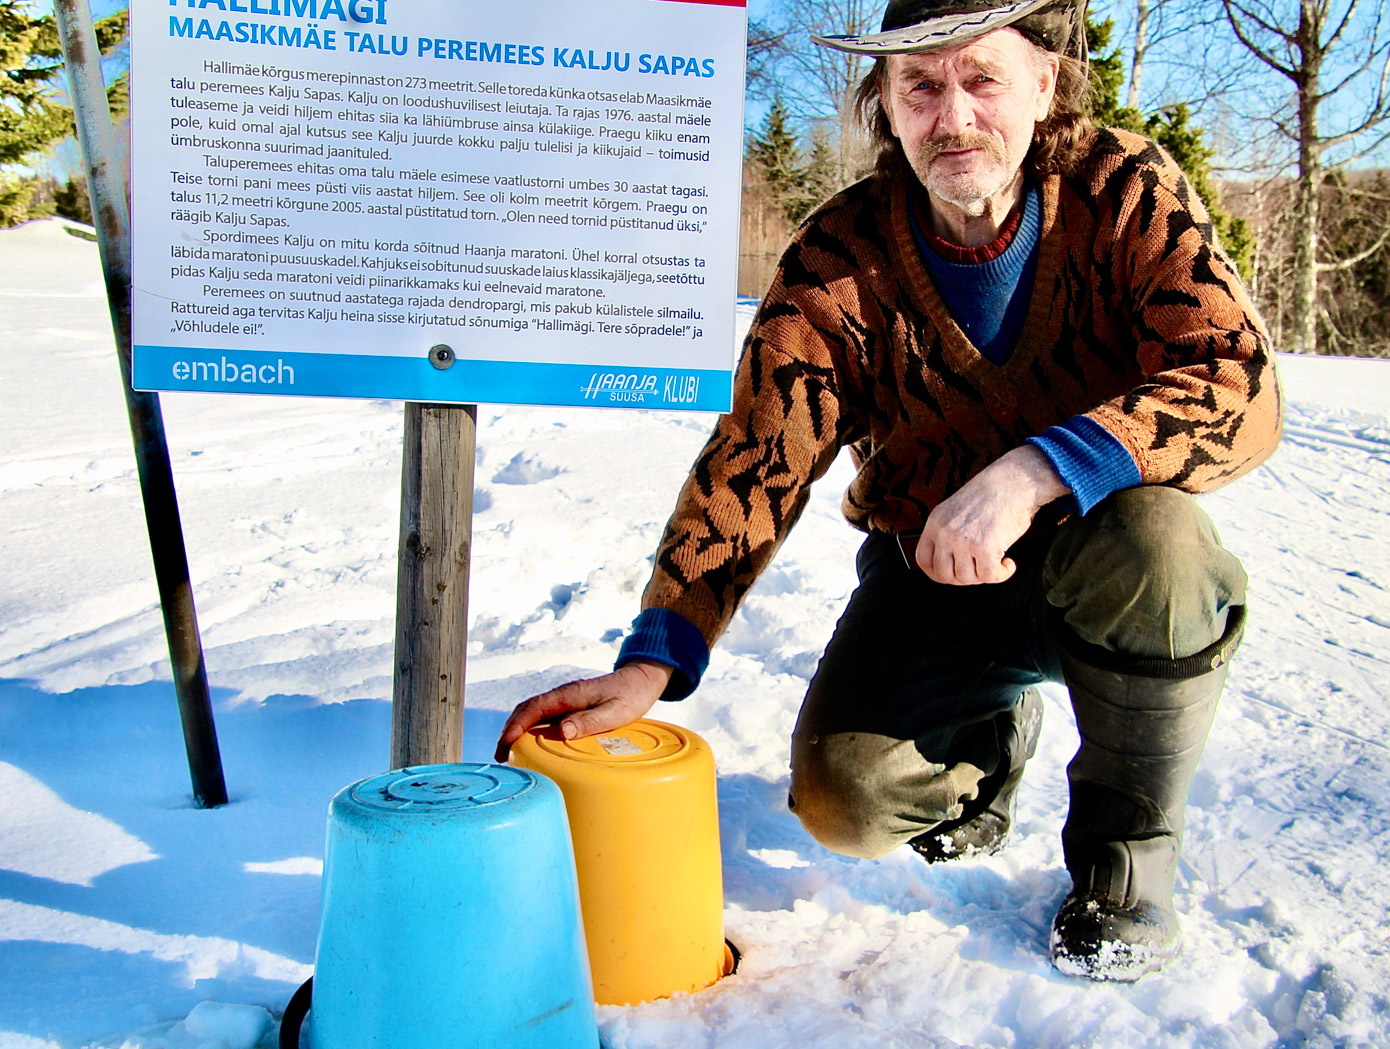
{"type": "Point", "coordinates": [130, 919]}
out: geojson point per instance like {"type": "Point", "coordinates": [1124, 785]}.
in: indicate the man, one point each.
{"type": "Point", "coordinates": [1024, 330]}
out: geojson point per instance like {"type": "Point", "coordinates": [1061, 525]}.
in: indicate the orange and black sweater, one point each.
{"type": "Point", "coordinates": [1137, 324]}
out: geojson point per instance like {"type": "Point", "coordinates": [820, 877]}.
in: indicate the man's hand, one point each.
{"type": "Point", "coordinates": [593, 705]}
{"type": "Point", "coordinates": [965, 537]}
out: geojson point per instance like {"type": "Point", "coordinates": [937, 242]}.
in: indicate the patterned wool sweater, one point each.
{"type": "Point", "coordinates": [1137, 321]}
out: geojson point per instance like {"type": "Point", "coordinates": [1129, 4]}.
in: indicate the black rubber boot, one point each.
{"type": "Point", "coordinates": [1143, 723]}
{"type": "Point", "coordinates": [984, 826]}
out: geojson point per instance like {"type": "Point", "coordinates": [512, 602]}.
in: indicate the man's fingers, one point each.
{"type": "Point", "coordinates": [592, 722]}
{"type": "Point", "coordinates": [573, 696]}
{"type": "Point", "coordinates": [518, 723]}
{"type": "Point", "coordinates": [538, 708]}
{"type": "Point", "coordinates": [968, 571]}
{"type": "Point", "coordinates": [934, 560]}
{"type": "Point", "coordinates": [923, 553]}
{"type": "Point", "coordinates": [589, 706]}
{"type": "Point", "coordinates": [944, 563]}
{"type": "Point", "coordinates": [947, 567]}
{"type": "Point", "coordinates": [995, 570]}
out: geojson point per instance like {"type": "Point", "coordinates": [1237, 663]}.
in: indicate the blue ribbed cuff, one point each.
{"type": "Point", "coordinates": [668, 638]}
{"type": "Point", "coordinates": [1089, 459]}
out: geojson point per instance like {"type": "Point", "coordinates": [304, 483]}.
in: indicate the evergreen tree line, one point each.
{"type": "Point", "coordinates": [786, 175]}
{"type": "Point", "coordinates": [1354, 292]}
{"type": "Point", "coordinates": [791, 165]}
{"type": "Point", "coordinates": [33, 121]}
{"type": "Point", "coordinates": [807, 148]}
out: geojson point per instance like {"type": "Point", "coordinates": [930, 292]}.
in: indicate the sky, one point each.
{"type": "Point", "coordinates": [1233, 120]}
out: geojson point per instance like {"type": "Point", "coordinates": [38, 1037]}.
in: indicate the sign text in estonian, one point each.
{"type": "Point", "coordinates": [543, 193]}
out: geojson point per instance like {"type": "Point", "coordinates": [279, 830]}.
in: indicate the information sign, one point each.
{"type": "Point", "coordinates": [530, 202]}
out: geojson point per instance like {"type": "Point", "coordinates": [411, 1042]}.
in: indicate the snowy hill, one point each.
{"type": "Point", "coordinates": [122, 908]}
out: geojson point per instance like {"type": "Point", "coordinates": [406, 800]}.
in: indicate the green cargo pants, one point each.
{"type": "Point", "coordinates": [901, 723]}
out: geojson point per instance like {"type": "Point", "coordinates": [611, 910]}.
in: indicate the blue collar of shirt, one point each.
{"type": "Point", "coordinates": [989, 300]}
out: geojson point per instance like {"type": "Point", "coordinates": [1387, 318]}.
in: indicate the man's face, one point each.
{"type": "Point", "coordinates": [965, 114]}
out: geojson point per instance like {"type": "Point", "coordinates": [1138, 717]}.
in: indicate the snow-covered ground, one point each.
{"type": "Point", "coordinates": [126, 915]}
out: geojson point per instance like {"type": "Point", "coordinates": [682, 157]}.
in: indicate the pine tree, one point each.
{"type": "Point", "coordinates": [1107, 74]}
{"type": "Point", "coordinates": [776, 156]}
{"type": "Point", "coordinates": [820, 176]}
{"type": "Point", "coordinates": [72, 201]}
{"type": "Point", "coordinates": [32, 121]}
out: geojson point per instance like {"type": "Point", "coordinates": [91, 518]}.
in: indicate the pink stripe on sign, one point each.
{"type": "Point", "coordinates": [721, 3]}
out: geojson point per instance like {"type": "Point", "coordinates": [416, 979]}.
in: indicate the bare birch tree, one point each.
{"type": "Point", "coordinates": [1141, 50]}
{"type": "Point", "coordinates": [1184, 43]}
{"type": "Point", "coordinates": [1335, 58]}
{"type": "Point", "coordinates": [764, 45]}
{"type": "Point", "coordinates": [817, 84]}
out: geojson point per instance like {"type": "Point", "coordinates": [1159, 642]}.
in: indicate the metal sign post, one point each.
{"type": "Point", "coordinates": [106, 184]}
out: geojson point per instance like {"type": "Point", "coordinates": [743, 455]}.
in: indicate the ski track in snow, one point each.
{"type": "Point", "coordinates": [122, 907]}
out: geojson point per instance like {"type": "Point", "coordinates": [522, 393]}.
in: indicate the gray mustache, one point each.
{"type": "Point", "coordinates": [933, 148]}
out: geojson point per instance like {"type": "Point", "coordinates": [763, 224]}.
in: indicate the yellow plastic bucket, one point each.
{"type": "Point", "coordinates": [645, 823]}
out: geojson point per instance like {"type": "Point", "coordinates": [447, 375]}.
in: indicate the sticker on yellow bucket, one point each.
{"type": "Point", "coordinates": [618, 746]}
{"type": "Point", "coordinates": [642, 741]}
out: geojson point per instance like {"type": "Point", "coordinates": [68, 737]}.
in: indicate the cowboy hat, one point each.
{"type": "Point", "coordinates": [912, 26]}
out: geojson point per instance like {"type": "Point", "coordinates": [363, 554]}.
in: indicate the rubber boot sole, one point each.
{"type": "Point", "coordinates": [986, 832]}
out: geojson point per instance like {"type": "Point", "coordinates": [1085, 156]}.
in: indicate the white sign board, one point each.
{"type": "Point", "coordinates": [530, 202]}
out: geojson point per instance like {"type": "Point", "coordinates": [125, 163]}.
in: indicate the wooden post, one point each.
{"type": "Point", "coordinates": [111, 215]}
{"type": "Point", "coordinates": [436, 549]}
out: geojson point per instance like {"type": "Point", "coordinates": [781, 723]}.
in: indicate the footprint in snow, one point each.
{"type": "Point", "coordinates": [525, 469]}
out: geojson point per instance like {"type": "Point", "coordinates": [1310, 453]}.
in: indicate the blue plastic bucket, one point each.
{"type": "Point", "coordinates": [451, 916]}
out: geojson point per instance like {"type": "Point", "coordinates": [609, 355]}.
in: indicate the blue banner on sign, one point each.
{"type": "Point", "coordinates": [415, 379]}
